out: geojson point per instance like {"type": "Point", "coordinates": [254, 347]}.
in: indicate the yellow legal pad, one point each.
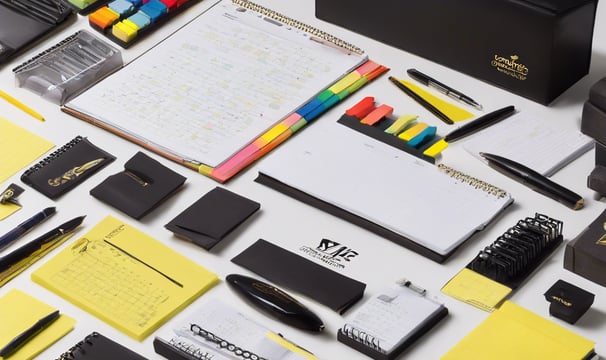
{"type": "Point", "coordinates": [18, 312]}
{"type": "Point", "coordinates": [513, 332]}
{"type": "Point", "coordinates": [18, 148]}
{"type": "Point", "coordinates": [125, 277]}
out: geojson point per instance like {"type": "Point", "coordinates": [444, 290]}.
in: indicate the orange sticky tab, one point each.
{"type": "Point", "coordinates": [377, 114]}
{"type": "Point", "coordinates": [413, 131]}
{"type": "Point", "coordinates": [362, 108]}
{"type": "Point", "coordinates": [103, 18]}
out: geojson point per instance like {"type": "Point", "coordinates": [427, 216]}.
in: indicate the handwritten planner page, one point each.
{"type": "Point", "coordinates": [216, 84]}
{"type": "Point", "coordinates": [533, 140]}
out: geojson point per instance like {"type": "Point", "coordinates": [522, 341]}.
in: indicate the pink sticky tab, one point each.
{"type": "Point", "coordinates": [377, 114]}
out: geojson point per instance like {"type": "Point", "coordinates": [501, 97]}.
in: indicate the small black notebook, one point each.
{"type": "Point", "coordinates": [143, 185]}
{"type": "Point", "coordinates": [66, 167]}
{"type": "Point", "coordinates": [24, 21]}
{"type": "Point", "coordinates": [98, 347]}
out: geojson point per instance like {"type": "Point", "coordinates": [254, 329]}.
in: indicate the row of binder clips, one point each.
{"type": "Point", "coordinates": [518, 251]}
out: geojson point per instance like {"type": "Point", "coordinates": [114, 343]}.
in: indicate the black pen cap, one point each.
{"type": "Point", "coordinates": [275, 302]}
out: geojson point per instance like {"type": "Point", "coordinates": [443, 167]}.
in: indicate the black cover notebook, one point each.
{"type": "Point", "coordinates": [24, 21]}
{"type": "Point", "coordinates": [66, 167]}
{"type": "Point", "coordinates": [98, 347]}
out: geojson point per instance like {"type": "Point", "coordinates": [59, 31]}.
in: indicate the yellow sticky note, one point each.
{"type": "Point", "coordinates": [290, 346]}
{"type": "Point", "coordinates": [476, 289]}
{"type": "Point", "coordinates": [19, 148]}
{"type": "Point", "coordinates": [455, 113]}
{"type": "Point", "coordinates": [513, 332]}
{"type": "Point", "coordinates": [19, 311]}
{"type": "Point", "coordinates": [436, 148]}
{"type": "Point", "coordinates": [8, 209]}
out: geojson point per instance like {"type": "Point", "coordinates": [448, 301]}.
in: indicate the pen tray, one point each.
{"type": "Point", "coordinates": [69, 67]}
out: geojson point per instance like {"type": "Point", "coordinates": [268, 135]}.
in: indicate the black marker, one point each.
{"type": "Point", "coordinates": [275, 302]}
{"type": "Point", "coordinates": [21, 339]}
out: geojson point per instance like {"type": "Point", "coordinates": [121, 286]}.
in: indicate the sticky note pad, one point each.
{"type": "Point", "coordinates": [476, 289]}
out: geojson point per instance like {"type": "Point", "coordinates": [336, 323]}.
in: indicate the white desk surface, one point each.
{"type": "Point", "coordinates": [293, 225]}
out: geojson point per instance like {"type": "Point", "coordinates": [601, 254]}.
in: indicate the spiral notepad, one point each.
{"type": "Point", "coordinates": [384, 189]}
{"type": "Point", "coordinates": [98, 347]}
{"type": "Point", "coordinates": [66, 167]}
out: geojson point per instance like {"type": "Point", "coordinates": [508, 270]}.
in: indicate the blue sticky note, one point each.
{"type": "Point", "coordinates": [427, 134]}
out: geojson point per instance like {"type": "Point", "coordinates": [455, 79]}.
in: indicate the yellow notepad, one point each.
{"type": "Point", "coordinates": [125, 277]}
{"type": "Point", "coordinates": [513, 332]}
{"type": "Point", "coordinates": [18, 312]}
{"type": "Point", "coordinates": [19, 148]}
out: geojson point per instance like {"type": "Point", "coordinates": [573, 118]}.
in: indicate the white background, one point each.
{"type": "Point", "coordinates": [293, 225]}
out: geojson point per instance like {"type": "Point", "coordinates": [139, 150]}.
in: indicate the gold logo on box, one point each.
{"type": "Point", "coordinates": [510, 66]}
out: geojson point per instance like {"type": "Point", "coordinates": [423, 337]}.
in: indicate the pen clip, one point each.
{"type": "Point", "coordinates": [74, 172]}
{"type": "Point", "coordinates": [11, 194]}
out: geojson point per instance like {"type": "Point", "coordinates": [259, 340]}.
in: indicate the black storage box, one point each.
{"type": "Point", "coordinates": [586, 254]}
{"type": "Point", "coordinates": [533, 48]}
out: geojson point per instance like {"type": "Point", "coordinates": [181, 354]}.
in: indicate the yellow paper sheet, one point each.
{"type": "Point", "coordinates": [455, 113]}
{"type": "Point", "coordinates": [125, 277]}
{"type": "Point", "coordinates": [476, 289]}
{"type": "Point", "coordinates": [7, 209]}
{"type": "Point", "coordinates": [513, 332]}
{"type": "Point", "coordinates": [18, 312]}
{"type": "Point", "coordinates": [18, 148]}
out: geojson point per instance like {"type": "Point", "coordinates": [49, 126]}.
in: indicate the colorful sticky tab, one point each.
{"type": "Point", "coordinates": [377, 114]}
{"type": "Point", "coordinates": [414, 130]}
{"type": "Point", "coordinates": [140, 19]}
{"type": "Point", "coordinates": [103, 18]}
{"type": "Point", "coordinates": [154, 9]}
{"type": "Point", "coordinates": [125, 30]}
{"type": "Point", "coordinates": [121, 7]}
{"type": "Point", "coordinates": [400, 124]}
{"type": "Point", "coordinates": [423, 137]}
{"type": "Point", "coordinates": [436, 148]}
{"type": "Point", "coordinates": [362, 108]}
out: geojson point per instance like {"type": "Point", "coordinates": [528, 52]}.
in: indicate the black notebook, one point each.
{"type": "Point", "coordinates": [66, 167]}
{"type": "Point", "coordinates": [98, 347]}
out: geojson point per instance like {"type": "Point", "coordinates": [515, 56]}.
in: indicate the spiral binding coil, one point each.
{"type": "Point", "coordinates": [70, 354]}
{"type": "Point", "coordinates": [361, 337]}
{"type": "Point", "coordinates": [298, 25]}
{"type": "Point", "coordinates": [50, 50]}
{"type": "Point", "coordinates": [190, 349]}
{"type": "Point", "coordinates": [47, 160]}
{"type": "Point", "coordinates": [475, 182]}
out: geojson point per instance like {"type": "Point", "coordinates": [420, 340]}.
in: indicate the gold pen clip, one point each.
{"type": "Point", "coordinates": [74, 173]}
{"type": "Point", "coordinates": [137, 178]}
{"type": "Point", "coordinates": [10, 194]}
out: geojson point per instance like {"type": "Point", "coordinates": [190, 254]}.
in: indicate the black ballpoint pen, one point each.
{"type": "Point", "coordinates": [416, 97]}
{"type": "Point", "coordinates": [24, 227]}
{"type": "Point", "coordinates": [480, 123]}
{"type": "Point", "coordinates": [11, 263]}
{"type": "Point", "coordinates": [444, 89]}
{"type": "Point", "coordinates": [25, 336]}
{"type": "Point", "coordinates": [534, 180]}
{"type": "Point", "coordinates": [275, 302]}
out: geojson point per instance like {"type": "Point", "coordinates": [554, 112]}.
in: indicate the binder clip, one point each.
{"type": "Point", "coordinates": [568, 302]}
{"type": "Point", "coordinates": [11, 194]}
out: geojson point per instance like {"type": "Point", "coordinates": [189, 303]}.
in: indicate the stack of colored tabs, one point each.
{"type": "Point", "coordinates": [124, 20]}
{"type": "Point", "coordinates": [418, 135]}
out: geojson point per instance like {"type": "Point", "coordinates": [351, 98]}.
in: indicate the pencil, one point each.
{"type": "Point", "coordinates": [21, 105]}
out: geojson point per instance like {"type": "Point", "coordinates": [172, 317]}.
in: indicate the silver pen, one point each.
{"type": "Point", "coordinates": [444, 89]}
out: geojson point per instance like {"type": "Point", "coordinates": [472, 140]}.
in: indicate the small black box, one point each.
{"type": "Point", "coordinates": [533, 48]}
{"type": "Point", "coordinates": [585, 255]}
{"type": "Point", "coordinates": [568, 302]}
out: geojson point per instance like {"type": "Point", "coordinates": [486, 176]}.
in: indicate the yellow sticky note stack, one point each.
{"type": "Point", "coordinates": [18, 312]}
{"type": "Point", "coordinates": [19, 148]}
{"type": "Point", "coordinates": [476, 289]}
{"type": "Point", "coordinates": [125, 277]}
{"type": "Point", "coordinates": [513, 332]}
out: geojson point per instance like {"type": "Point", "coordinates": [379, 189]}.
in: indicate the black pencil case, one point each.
{"type": "Point", "coordinates": [24, 21]}
{"type": "Point", "coordinates": [143, 185]}
{"type": "Point", "coordinates": [66, 167]}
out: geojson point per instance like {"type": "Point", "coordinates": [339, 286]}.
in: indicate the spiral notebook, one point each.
{"type": "Point", "coordinates": [386, 190]}
{"type": "Point", "coordinates": [98, 347]}
{"type": "Point", "coordinates": [224, 89]}
{"type": "Point", "coordinates": [66, 167]}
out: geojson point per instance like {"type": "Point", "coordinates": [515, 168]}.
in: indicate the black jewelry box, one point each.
{"type": "Point", "coordinates": [585, 255]}
{"type": "Point", "coordinates": [533, 48]}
